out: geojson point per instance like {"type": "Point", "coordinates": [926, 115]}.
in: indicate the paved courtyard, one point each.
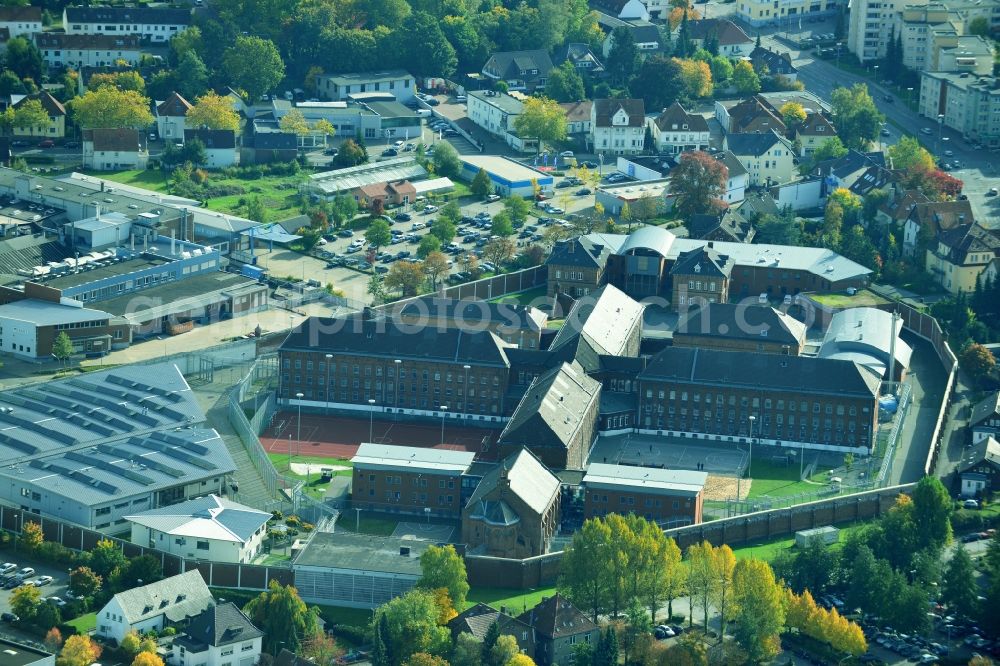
{"type": "Point", "coordinates": [671, 452]}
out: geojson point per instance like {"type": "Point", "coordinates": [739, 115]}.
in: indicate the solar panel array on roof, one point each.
{"type": "Point", "coordinates": [17, 445]}
{"type": "Point", "coordinates": [75, 475]}
{"type": "Point", "coordinates": [108, 466]}
{"type": "Point", "coordinates": [148, 388]}
{"type": "Point", "coordinates": [131, 456]}
{"type": "Point", "coordinates": [72, 408]}
{"type": "Point", "coordinates": [173, 450]}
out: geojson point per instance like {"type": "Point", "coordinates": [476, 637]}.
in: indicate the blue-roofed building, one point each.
{"type": "Point", "coordinates": [509, 178]}
{"type": "Point", "coordinates": [211, 528]}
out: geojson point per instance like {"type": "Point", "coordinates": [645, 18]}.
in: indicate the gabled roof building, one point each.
{"type": "Point", "coordinates": [154, 606]}
{"type": "Point", "coordinates": [558, 626]}
{"type": "Point", "coordinates": [218, 635]}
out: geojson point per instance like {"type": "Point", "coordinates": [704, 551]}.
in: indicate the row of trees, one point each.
{"type": "Point", "coordinates": [624, 565]}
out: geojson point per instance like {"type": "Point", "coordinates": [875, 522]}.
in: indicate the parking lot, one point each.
{"type": "Point", "coordinates": [57, 588]}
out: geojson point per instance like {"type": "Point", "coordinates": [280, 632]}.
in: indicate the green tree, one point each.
{"type": "Point", "coordinates": [702, 580]}
{"type": "Point", "coordinates": [623, 57]}
{"type": "Point", "coordinates": [446, 160]}
{"type": "Point", "coordinates": [489, 641]}
{"type": "Point", "coordinates": [565, 83]}
{"type": "Point", "coordinates": [481, 185]}
{"type": "Point", "coordinates": [745, 78]}
{"type": "Point", "coordinates": [503, 650]}
{"type": "Point", "coordinates": [977, 361]}
{"type": "Point", "coordinates": [343, 208]}
{"type": "Point", "coordinates": [253, 65]}
{"type": "Point", "coordinates": [106, 557]}
{"type": "Point", "coordinates": [792, 113]}
{"type": "Point", "coordinates": [112, 108]}
{"type": "Point", "coordinates": [781, 229]}
{"type": "Point", "coordinates": [542, 119]}
{"type": "Point", "coordinates": [467, 651]}
{"type": "Point", "coordinates": [381, 650]}
{"type": "Point", "coordinates": [606, 653]}
{"type": "Point", "coordinates": [212, 111]}
{"type": "Point", "coordinates": [47, 616]}
{"type": "Point", "coordinates": [283, 617]}
{"type": "Point", "coordinates": [130, 644]}
{"type": "Point", "coordinates": [10, 84]}
{"type": "Point", "coordinates": [518, 209]}
{"type": "Point", "coordinates": [31, 536]}
{"type": "Point", "coordinates": [83, 582]}
{"type": "Point", "coordinates": [857, 118]}
{"type": "Point", "coordinates": [127, 80]}
{"type": "Point", "coordinates": [256, 209]}
{"type": "Point", "coordinates": [422, 43]}
{"type": "Point", "coordinates": [429, 243]}
{"type": "Point", "coordinates": [698, 181]}
{"type": "Point", "coordinates": [960, 590]}
{"type": "Point", "coordinates": [857, 247]}
{"type": "Point", "coordinates": [379, 234]}
{"type": "Point", "coordinates": [658, 82]}
{"type": "Point", "coordinates": [406, 276]}
{"type": "Point", "coordinates": [376, 288]}
{"type": "Point", "coordinates": [441, 566]}
{"type": "Point", "coordinates": [759, 612]}
{"type": "Point", "coordinates": [410, 624]}
{"type": "Point", "coordinates": [724, 566]}
{"type": "Point", "coordinates": [909, 155]}
{"type": "Point", "coordinates": [321, 650]}
{"type": "Point", "coordinates": [932, 513]}
{"type": "Point", "coordinates": [23, 58]}
{"type": "Point", "coordinates": [294, 122]}
{"type": "Point", "coordinates": [503, 226]}
{"type": "Point", "coordinates": [586, 571]}
{"type": "Point", "coordinates": [192, 75]}
{"type": "Point", "coordinates": [24, 601]}
{"type": "Point", "coordinates": [351, 153]}
{"type": "Point", "coordinates": [443, 229]}
{"type": "Point", "coordinates": [31, 115]}
{"type": "Point", "coordinates": [831, 149]}
{"type": "Point", "coordinates": [141, 570]}
{"type": "Point", "coordinates": [979, 26]}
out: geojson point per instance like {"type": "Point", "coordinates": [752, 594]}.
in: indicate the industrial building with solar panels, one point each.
{"type": "Point", "coordinates": [96, 448]}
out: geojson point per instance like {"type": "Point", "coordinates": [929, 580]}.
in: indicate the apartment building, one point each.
{"type": "Point", "coordinates": [789, 12]}
{"type": "Point", "coordinates": [793, 400]}
{"type": "Point", "coordinates": [769, 158]}
{"type": "Point", "coordinates": [155, 24]}
{"type": "Point", "coordinates": [340, 87]}
{"type": "Point", "coordinates": [618, 126]}
{"type": "Point", "coordinates": [964, 102]}
{"type": "Point", "coordinates": [19, 21]}
{"type": "Point", "coordinates": [495, 112]}
{"type": "Point", "coordinates": [676, 131]}
{"type": "Point", "coordinates": [871, 26]}
{"type": "Point", "coordinates": [77, 51]}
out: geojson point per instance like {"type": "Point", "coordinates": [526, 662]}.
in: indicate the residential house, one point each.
{"type": "Point", "coordinates": [209, 528]}
{"type": "Point", "coordinates": [341, 87]}
{"type": "Point", "coordinates": [400, 193]}
{"type": "Point", "coordinates": [171, 117]}
{"type": "Point", "coordinates": [732, 41]}
{"type": "Point", "coordinates": [578, 118]}
{"type": "Point", "coordinates": [959, 256]}
{"type": "Point", "coordinates": [556, 419]}
{"type": "Point", "coordinates": [669, 497]}
{"type": "Point", "coordinates": [220, 146]}
{"type": "Point", "coordinates": [618, 126]}
{"type": "Point", "coordinates": [700, 277]}
{"type": "Point", "coordinates": [645, 35]}
{"type": "Point", "coordinates": [769, 158]}
{"type": "Point", "coordinates": [60, 50]}
{"type": "Point", "coordinates": [220, 635]}
{"type": "Point", "coordinates": [896, 209]}
{"type": "Point", "coordinates": [979, 471]}
{"type": "Point", "coordinates": [559, 626]}
{"type": "Point", "coordinates": [985, 418]}
{"type": "Point", "coordinates": [676, 131]}
{"type": "Point", "coordinates": [754, 115]}
{"type": "Point", "coordinates": [55, 128]}
{"type": "Point", "coordinates": [520, 70]}
{"type": "Point", "coordinates": [814, 131]}
{"type": "Point", "coordinates": [154, 606]}
{"type": "Point", "coordinates": [514, 511]}
{"type": "Point", "coordinates": [581, 57]}
{"type": "Point", "coordinates": [19, 21]}
{"type": "Point", "coordinates": [773, 63]}
{"type": "Point", "coordinates": [269, 144]}
{"type": "Point", "coordinates": [728, 225]}
{"type": "Point", "coordinates": [495, 112]}
{"type": "Point", "coordinates": [737, 177]}
{"type": "Point", "coordinates": [155, 24]}
{"type": "Point", "coordinates": [860, 173]}
{"type": "Point", "coordinates": [114, 149]}
{"type": "Point", "coordinates": [926, 219]}
{"type": "Point", "coordinates": [740, 327]}
{"type": "Point", "coordinates": [478, 619]}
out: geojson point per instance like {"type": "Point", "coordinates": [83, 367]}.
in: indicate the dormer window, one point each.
{"type": "Point", "coordinates": [821, 128]}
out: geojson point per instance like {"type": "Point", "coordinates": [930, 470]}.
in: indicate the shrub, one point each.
{"type": "Point", "coordinates": [352, 633]}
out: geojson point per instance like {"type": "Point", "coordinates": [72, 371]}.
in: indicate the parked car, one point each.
{"type": "Point", "coordinates": [9, 617]}
{"type": "Point", "coordinates": [492, 197]}
{"type": "Point", "coordinates": [992, 192]}
{"type": "Point", "coordinates": [46, 143]}
{"type": "Point", "coordinates": [7, 568]}
{"type": "Point", "coordinates": [345, 233]}
{"type": "Point", "coordinates": [429, 209]}
{"type": "Point", "coordinates": [390, 152]}
{"type": "Point", "coordinates": [583, 191]}
{"type": "Point", "coordinates": [970, 504]}
{"type": "Point", "coordinates": [403, 217]}
{"type": "Point", "coordinates": [57, 601]}
{"type": "Point", "coordinates": [42, 581]}
{"type": "Point", "coordinates": [26, 572]}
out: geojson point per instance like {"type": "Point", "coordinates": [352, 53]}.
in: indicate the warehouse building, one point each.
{"type": "Point", "coordinates": [92, 450]}
{"type": "Point", "coordinates": [509, 178]}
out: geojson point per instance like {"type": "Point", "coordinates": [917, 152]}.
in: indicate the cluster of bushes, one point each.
{"type": "Point", "coordinates": [257, 171]}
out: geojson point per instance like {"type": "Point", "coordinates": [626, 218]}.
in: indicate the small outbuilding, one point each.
{"type": "Point", "coordinates": [826, 535]}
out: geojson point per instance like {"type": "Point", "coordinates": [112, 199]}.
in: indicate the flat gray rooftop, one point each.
{"type": "Point", "coordinates": [93, 274]}
{"type": "Point", "coordinates": [362, 552]}
{"type": "Point", "coordinates": [177, 296]}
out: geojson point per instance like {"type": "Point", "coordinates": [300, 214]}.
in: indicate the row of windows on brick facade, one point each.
{"type": "Point", "coordinates": [630, 501]}
{"type": "Point", "coordinates": [744, 401]}
{"type": "Point", "coordinates": [389, 386]}
{"type": "Point", "coordinates": [392, 480]}
{"type": "Point", "coordinates": [355, 370]}
{"type": "Point", "coordinates": [569, 275]}
{"type": "Point", "coordinates": [779, 432]}
{"type": "Point", "coordinates": [443, 500]}
{"type": "Point", "coordinates": [389, 399]}
{"type": "Point", "coordinates": [743, 417]}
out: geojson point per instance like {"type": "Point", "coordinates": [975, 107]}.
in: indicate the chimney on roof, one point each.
{"type": "Point", "coordinates": [961, 218]}
{"type": "Point", "coordinates": [711, 244]}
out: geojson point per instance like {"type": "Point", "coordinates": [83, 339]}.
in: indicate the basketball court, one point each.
{"type": "Point", "coordinates": [322, 436]}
